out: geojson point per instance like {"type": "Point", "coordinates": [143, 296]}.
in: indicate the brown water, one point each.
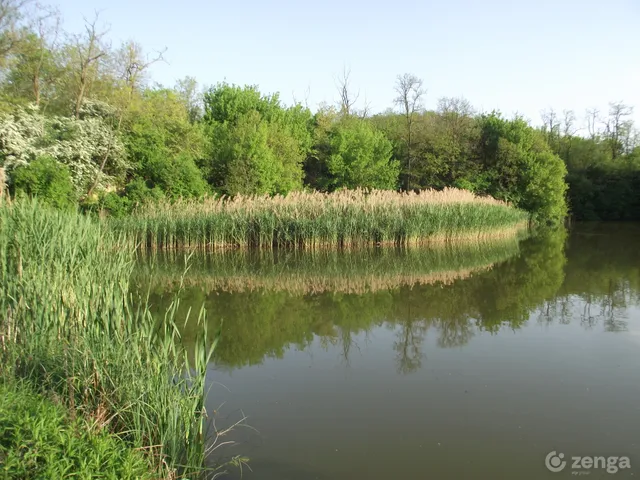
{"type": "Point", "coordinates": [463, 363]}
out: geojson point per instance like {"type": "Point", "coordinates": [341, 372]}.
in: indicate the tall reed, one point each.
{"type": "Point", "coordinates": [3, 184]}
{"type": "Point", "coordinates": [67, 328]}
{"type": "Point", "coordinates": [313, 219]}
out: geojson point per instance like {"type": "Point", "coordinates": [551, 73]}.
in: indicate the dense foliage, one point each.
{"type": "Point", "coordinates": [256, 145]}
{"type": "Point", "coordinates": [125, 142]}
{"type": "Point", "coordinates": [603, 168]}
{"type": "Point", "coordinates": [39, 440]}
{"type": "Point", "coordinates": [46, 179]}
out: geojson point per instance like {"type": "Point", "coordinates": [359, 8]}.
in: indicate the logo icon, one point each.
{"type": "Point", "coordinates": [554, 462]}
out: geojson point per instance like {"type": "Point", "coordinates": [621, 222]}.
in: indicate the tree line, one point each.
{"type": "Point", "coordinates": [82, 122]}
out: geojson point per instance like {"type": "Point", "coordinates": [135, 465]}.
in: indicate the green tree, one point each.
{"type": "Point", "coordinates": [246, 161]}
{"type": "Point", "coordinates": [35, 66]}
{"type": "Point", "coordinates": [521, 168]}
{"type": "Point", "coordinates": [361, 156]}
{"type": "Point", "coordinates": [159, 119]}
{"type": "Point", "coordinates": [256, 144]}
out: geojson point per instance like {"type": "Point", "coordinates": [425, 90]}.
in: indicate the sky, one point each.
{"type": "Point", "coordinates": [510, 55]}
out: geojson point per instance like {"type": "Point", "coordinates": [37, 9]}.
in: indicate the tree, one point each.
{"type": "Point", "coordinates": [11, 12]}
{"type": "Point", "coordinates": [34, 67]}
{"type": "Point", "coordinates": [88, 52]}
{"type": "Point", "coordinates": [243, 162]}
{"type": "Point", "coordinates": [134, 66]}
{"type": "Point", "coordinates": [361, 156]}
{"type": "Point", "coordinates": [616, 127]}
{"type": "Point", "coordinates": [550, 125]}
{"type": "Point", "coordinates": [163, 145]}
{"type": "Point", "coordinates": [81, 145]}
{"type": "Point", "coordinates": [256, 145]}
{"type": "Point", "coordinates": [522, 169]}
{"type": "Point", "coordinates": [187, 88]}
{"type": "Point", "coordinates": [445, 148]}
{"type": "Point", "coordinates": [347, 98]}
{"type": "Point", "coordinates": [565, 142]}
{"type": "Point", "coordinates": [593, 115]}
{"type": "Point", "coordinates": [410, 92]}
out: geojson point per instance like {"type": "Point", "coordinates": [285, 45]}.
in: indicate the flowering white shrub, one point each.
{"type": "Point", "coordinates": [83, 145]}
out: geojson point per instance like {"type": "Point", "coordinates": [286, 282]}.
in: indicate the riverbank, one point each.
{"type": "Point", "coordinates": [312, 220]}
{"type": "Point", "coordinates": [68, 332]}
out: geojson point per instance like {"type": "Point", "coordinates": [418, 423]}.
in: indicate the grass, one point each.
{"type": "Point", "coordinates": [67, 329]}
{"type": "Point", "coordinates": [38, 439]}
{"type": "Point", "coordinates": [313, 219]}
{"type": "Point", "coordinates": [310, 272]}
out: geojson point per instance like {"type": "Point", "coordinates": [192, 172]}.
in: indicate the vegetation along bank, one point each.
{"type": "Point", "coordinates": [69, 334]}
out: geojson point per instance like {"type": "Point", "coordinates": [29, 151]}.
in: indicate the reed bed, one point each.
{"type": "Point", "coordinates": [313, 219]}
{"type": "Point", "coordinates": [312, 272]}
{"type": "Point", "coordinates": [67, 329]}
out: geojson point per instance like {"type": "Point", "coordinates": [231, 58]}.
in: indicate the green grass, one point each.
{"type": "Point", "coordinates": [39, 439]}
{"type": "Point", "coordinates": [313, 220]}
{"type": "Point", "coordinates": [67, 328]}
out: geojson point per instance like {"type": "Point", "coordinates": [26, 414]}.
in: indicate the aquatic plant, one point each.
{"type": "Point", "coordinates": [312, 219]}
{"type": "Point", "coordinates": [67, 329]}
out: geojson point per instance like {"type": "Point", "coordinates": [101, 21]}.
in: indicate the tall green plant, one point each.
{"type": "Point", "coordinates": [68, 328]}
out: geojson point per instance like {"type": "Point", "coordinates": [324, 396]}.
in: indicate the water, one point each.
{"type": "Point", "coordinates": [473, 362]}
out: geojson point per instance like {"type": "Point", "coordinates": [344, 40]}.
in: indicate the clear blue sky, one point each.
{"type": "Point", "coordinates": [510, 55]}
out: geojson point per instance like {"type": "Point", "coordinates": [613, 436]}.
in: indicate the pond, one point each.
{"type": "Point", "coordinates": [466, 362]}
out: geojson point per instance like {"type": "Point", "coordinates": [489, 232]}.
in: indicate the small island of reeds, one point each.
{"type": "Point", "coordinates": [346, 218]}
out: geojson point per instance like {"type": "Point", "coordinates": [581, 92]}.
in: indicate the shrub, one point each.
{"type": "Point", "coordinates": [177, 176]}
{"type": "Point", "coordinates": [114, 204]}
{"type": "Point", "coordinates": [140, 194]}
{"type": "Point", "coordinates": [46, 179]}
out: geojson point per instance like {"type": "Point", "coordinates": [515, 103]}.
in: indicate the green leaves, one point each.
{"type": "Point", "coordinates": [39, 440]}
{"type": "Point", "coordinates": [46, 179]}
{"type": "Point", "coordinates": [522, 168]}
{"type": "Point", "coordinates": [361, 156]}
{"type": "Point", "coordinates": [256, 145]}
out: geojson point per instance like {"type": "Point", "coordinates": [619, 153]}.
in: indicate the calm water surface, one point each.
{"type": "Point", "coordinates": [472, 362]}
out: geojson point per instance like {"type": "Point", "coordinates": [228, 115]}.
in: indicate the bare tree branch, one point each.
{"type": "Point", "coordinates": [90, 49]}
{"type": "Point", "coordinates": [366, 110]}
{"type": "Point", "coordinates": [616, 127]}
{"type": "Point", "coordinates": [410, 92]}
{"type": "Point", "coordinates": [11, 12]}
{"type": "Point", "coordinates": [347, 99]}
{"type": "Point", "coordinates": [593, 114]}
